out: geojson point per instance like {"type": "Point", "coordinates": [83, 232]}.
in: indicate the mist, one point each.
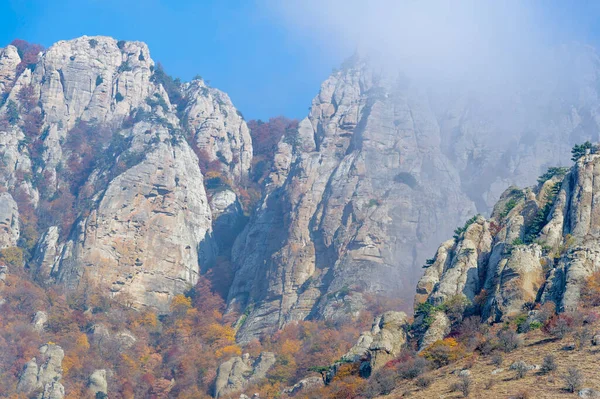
{"type": "Point", "coordinates": [476, 43]}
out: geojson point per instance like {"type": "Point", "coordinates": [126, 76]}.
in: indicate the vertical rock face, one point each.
{"type": "Point", "coordinates": [238, 372]}
{"type": "Point", "coordinates": [381, 171]}
{"type": "Point", "coordinates": [539, 245]}
{"type": "Point", "coordinates": [90, 129]}
{"type": "Point", "coordinates": [150, 233]}
{"type": "Point", "coordinates": [46, 376]}
{"type": "Point", "coordinates": [218, 129]}
{"type": "Point", "coordinates": [366, 191]}
{"type": "Point", "coordinates": [9, 221]}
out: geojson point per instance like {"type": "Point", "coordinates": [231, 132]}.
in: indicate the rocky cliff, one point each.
{"type": "Point", "coordinates": [107, 150]}
{"type": "Point", "coordinates": [538, 246]}
{"type": "Point", "coordinates": [382, 170]}
{"type": "Point", "coordinates": [117, 176]}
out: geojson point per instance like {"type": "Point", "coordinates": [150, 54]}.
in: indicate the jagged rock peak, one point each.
{"type": "Point", "coordinates": [93, 126]}
{"type": "Point", "coordinates": [539, 246]}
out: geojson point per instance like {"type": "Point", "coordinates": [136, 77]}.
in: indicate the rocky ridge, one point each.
{"type": "Point", "coordinates": [381, 171]}
{"type": "Point", "coordinates": [141, 224]}
{"type": "Point", "coordinates": [538, 246]}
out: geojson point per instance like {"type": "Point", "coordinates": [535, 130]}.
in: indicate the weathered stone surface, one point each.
{"type": "Point", "coordinates": [9, 59]}
{"type": "Point", "coordinates": [532, 250]}
{"type": "Point", "coordinates": [146, 231]}
{"type": "Point", "coordinates": [380, 345]}
{"type": "Point", "coordinates": [9, 221]}
{"type": "Point", "coordinates": [351, 208]}
{"type": "Point", "coordinates": [97, 382]}
{"type": "Point", "coordinates": [238, 372]}
{"type": "Point", "coordinates": [44, 377]}
{"type": "Point", "coordinates": [39, 320]}
{"type": "Point", "coordinates": [438, 329]}
{"type": "Point", "coordinates": [228, 217]}
{"type": "Point", "coordinates": [219, 129]}
{"type": "Point", "coordinates": [151, 232]}
{"type": "Point", "coordinates": [305, 384]}
{"type": "Point", "coordinates": [588, 393]}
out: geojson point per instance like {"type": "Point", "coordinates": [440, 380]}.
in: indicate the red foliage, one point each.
{"type": "Point", "coordinates": [265, 137]}
{"type": "Point", "coordinates": [28, 53]}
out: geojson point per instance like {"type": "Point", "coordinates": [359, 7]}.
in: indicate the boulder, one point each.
{"type": "Point", "coordinates": [39, 320]}
{"type": "Point", "coordinates": [588, 393]}
{"type": "Point", "coordinates": [97, 382]}
{"type": "Point", "coordinates": [238, 372]}
{"type": "Point", "coordinates": [44, 377]}
{"type": "Point", "coordinates": [304, 385]}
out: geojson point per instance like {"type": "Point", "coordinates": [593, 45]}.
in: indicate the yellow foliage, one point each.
{"type": "Point", "coordinates": [129, 362]}
{"type": "Point", "coordinates": [82, 342]}
{"type": "Point", "coordinates": [290, 347]}
{"type": "Point", "coordinates": [228, 351]}
{"type": "Point", "coordinates": [346, 370]}
{"type": "Point", "coordinates": [180, 304]}
{"type": "Point", "coordinates": [444, 351]}
{"type": "Point", "coordinates": [12, 255]}
{"type": "Point", "coordinates": [148, 319]}
{"type": "Point", "coordinates": [219, 333]}
{"type": "Point", "coordinates": [71, 362]}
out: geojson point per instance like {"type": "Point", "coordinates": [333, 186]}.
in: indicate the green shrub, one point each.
{"type": "Point", "coordinates": [579, 150]}
{"type": "Point", "coordinates": [93, 43]}
{"type": "Point", "coordinates": [12, 113]}
{"type": "Point", "coordinates": [551, 172]}
{"type": "Point", "coordinates": [460, 230]}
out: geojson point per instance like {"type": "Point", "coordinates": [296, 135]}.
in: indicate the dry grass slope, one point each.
{"type": "Point", "coordinates": [505, 384]}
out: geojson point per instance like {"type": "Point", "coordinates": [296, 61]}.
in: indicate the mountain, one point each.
{"type": "Point", "coordinates": [383, 169]}
{"type": "Point", "coordinates": [538, 247]}
{"type": "Point", "coordinates": [117, 176]}
{"type": "Point", "coordinates": [145, 251]}
{"type": "Point", "coordinates": [102, 148]}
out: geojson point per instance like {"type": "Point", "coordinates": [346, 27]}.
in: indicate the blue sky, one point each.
{"type": "Point", "coordinates": [270, 58]}
{"type": "Point", "coordinates": [239, 46]}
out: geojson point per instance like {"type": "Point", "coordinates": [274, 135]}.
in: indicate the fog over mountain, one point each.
{"type": "Point", "coordinates": [144, 220]}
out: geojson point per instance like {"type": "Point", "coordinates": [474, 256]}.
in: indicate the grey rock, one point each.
{"type": "Point", "coordinates": [53, 390]}
{"type": "Point", "coordinates": [304, 385]}
{"type": "Point", "coordinates": [238, 372]}
{"type": "Point", "coordinates": [9, 221]}
{"type": "Point", "coordinates": [380, 345]}
{"type": "Point", "coordinates": [45, 376]}
{"type": "Point", "coordinates": [497, 371]}
{"type": "Point", "coordinates": [588, 393]}
{"type": "Point", "coordinates": [39, 320]}
{"type": "Point", "coordinates": [438, 329]}
{"type": "Point", "coordinates": [97, 382]}
{"type": "Point", "coordinates": [596, 340]}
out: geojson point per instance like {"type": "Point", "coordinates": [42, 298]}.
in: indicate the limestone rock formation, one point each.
{"type": "Point", "coordinates": [238, 372]}
{"type": "Point", "coordinates": [380, 345]}
{"type": "Point", "coordinates": [356, 199]}
{"type": "Point", "coordinates": [98, 142]}
{"type": "Point", "coordinates": [381, 171]}
{"type": "Point", "coordinates": [539, 246]}
{"type": "Point", "coordinates": [46, 376]}
{"type": "Point", "coordinates": [218, 129]}
{"type": "Point", "coordinates": [9, 221]}
{"type": "Point", "coordinates": [304, 385]}
{"type": "Point", "coordinates": [39, 320]}
{"type": "Point", "coordinates": [97, 382]}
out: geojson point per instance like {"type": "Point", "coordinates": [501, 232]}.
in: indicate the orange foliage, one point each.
{"type": "Point", "coordinates": [443, 352]}
{"type": "Point", "coordinates": [590, 293]}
